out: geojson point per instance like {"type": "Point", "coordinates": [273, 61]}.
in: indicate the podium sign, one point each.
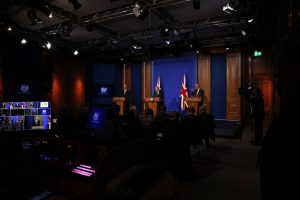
{"type": "Point", "coordinates": [122, 102]}
{"type": "Point", "coordinates": [153, 103]}
{"type": "Point", "coordinates": [194, 102]}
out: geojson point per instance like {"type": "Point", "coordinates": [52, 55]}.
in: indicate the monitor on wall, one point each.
{"type": "Point", "coordinates": [103, 90]}
{"type": "Point", "coordinates": [25, 115]}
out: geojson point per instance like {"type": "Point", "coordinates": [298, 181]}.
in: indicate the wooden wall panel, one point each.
{"type": "Point", "coordinates": [233, 73]}
{"type": "Point", "coordinates": [147, 72]}
{"type": "Point", "coordinates": [203, 77]}
{"type": "Point", "coordinates": [126, 75]}
{"type": "Point", "coordinates": [68, 83]}
{"type": "Point", "coordinates": [262, 75]}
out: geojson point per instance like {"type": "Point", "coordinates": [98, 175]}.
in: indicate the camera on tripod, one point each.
{"type": "Point", "coordinates": [247, 91]}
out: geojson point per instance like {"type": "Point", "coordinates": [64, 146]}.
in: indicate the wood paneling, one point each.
{"type": "Point", "coordinates": [233, 73]}
{"type": "Point", "coordinates": [126, 78]}
{"type": "Point", "coordinates": [68, 83]}
{"type": "Point", "coordinates": [262, 75]}
{"type": "Point", "coordinates": [203, 77]}
{"type": "Point", "coordinates": [146, 89]}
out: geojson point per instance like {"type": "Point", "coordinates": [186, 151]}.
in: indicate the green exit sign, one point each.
{"type": "Point", "coordinates": [257, 53]}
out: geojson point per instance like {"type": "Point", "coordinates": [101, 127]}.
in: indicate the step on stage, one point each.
{"type": "Point", "coordinates": [227, 128]}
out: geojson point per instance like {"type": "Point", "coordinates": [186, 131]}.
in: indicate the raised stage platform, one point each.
{"type": "Point", "coordinates": [227, 128]}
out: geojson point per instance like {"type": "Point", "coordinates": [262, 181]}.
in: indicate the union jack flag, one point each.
{"type": "Point", "coordinates": [158, 82]}
{"type": "Point", "coordinates": [183, 94]}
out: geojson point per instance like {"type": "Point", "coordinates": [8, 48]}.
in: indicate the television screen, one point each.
{"type": "Point", "coordinates": [104, 90]}
{"type": "Point", "coordinates": [25, 115]}
{"type": "Point", "coordinates": [101, 122]}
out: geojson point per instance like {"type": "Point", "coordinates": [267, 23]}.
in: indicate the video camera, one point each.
{"type": "Point", "coordinates": [247, 91]}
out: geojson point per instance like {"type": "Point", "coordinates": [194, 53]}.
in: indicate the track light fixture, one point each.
{"type": "Point", "coordinates": [140, 12]}
{"type": "Point", "coordinates": [75, 4]}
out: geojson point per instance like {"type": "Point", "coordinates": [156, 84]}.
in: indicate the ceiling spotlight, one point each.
{"type": "Point", "coordinates": [47, 45]}
{"type": "Point", "coordinates": [50, 15]}
{"type": "Point", "coordinates": [227, 8]}
{"type": "Point", "coordinates": [250, 20]}
{"type": "Point", "coordinates": [23, 41]}
{"type": "Point", "coordinates": [167, 42]}
{"type": "Point", "coordinates": [75, 4]}
{"type": "Point", "coordinates": [9, 28]}
{"type": "Point", "coordinates": [139, 12]}
{"type": "Point", "coordinates": [244, 33]}
{"type": "Point", "coordinates": [75, 53]}
{"type": "Point", "coordinates": [227, 48]}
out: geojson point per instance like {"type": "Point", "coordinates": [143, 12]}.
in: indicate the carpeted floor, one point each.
{"type": "Point", "coordinates": [227, 171]}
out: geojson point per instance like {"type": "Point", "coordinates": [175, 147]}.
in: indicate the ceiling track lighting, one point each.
{"type": "Point", "coordinates": [140, 12]}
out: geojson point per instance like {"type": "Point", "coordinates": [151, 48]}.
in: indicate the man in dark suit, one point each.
{"type": "Point", "coordinates": [198, 92]}
{"type": "Point", "coordinates": [127, 95]}
{"type": "Point", "coordinates": [158, 92]}
{"type": "Point", "coordinates": [126, 92]}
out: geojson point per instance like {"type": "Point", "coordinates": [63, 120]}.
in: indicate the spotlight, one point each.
{"type": "Point", "coordinates": [75, 53]}
{"type": "Point", "coordinates": [250, 20]}
{"type": "Point", "coordinates": [139, 12]}
{"type": "Point", "coordinates": [9, 28]}
{"type": "Point", "coordinates": [47, 45]}
{"type": "Point", "coordinates": [244, 33]}
{"type": "Point", "coordinates": [168, 42]}
{"type": "Point", "coordinates": [75, 4]}
{"type": "Point", "coordinates": [227, 8]}
{"type": "Point", "coordinates": [23, 41]}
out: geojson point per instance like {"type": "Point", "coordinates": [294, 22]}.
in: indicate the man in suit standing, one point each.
{"type": "Point", "coordinates": [126, 92]}
{"type": "Point", "coordinates": [158, 92]}
{"type": "Point", "coordinates": [127, 95]}
{"type": "Point", "coordinates": [198, 92]}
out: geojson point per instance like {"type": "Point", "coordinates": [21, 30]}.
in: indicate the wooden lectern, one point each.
{"type": "Point", "coordinates": [154, 103]}
{"type": "Point", "coordinates": [194, 102]}
{"type": "Point", "coordinates": [122, 102]}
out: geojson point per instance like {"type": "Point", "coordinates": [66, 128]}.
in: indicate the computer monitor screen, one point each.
{"type": "Point", "coordinates": [101, 122]}
{"type": "Point", "coordinates": [25, 115]}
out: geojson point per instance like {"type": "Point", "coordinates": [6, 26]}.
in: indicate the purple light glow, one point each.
{"type": "Point", "coordinates": [84, 169]}
{"type": "Point", "coordinates": [88, 174]}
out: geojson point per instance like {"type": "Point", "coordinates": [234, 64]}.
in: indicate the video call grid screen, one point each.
{"type": "Point", "coordinates": [29, 115]}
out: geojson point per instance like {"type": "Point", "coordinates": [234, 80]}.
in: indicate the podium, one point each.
{"type": "Point", "coordinates": [194, 102]}
{"type": "Point", "coordinates": [122, 102]}
{"type": "Point", "coordinates": [154, 103]}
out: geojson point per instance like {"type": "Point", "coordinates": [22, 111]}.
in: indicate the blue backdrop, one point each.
{"type": "Point", "coordinates": [136, 85]}
{"type": "Point", "coordinates": [171, 75]}
{"type": "Point", "coordinates": [218, 85]}
{"type": "Point", "coordinates": [107, 74]}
